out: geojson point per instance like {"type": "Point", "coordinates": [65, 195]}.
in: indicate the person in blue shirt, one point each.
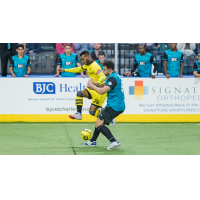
{"type": "Point", "coordinates": [20, 64]}
{"type": "Point", "coordinates": [196, 68]}
{"type": "Point", "coordinates": [143, 62]}
{"type": "Point", "coordinates": [68, 60]}
{"type": "Point", "coordinates": [115, 104]}
{"type": "Point", "coordinates": [173, 62]}
{"type": "Point", "coordinates": [102, 59]}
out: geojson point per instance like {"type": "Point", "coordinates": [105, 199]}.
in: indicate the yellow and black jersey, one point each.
{"type": "Point", "coordinates": [94, 71]}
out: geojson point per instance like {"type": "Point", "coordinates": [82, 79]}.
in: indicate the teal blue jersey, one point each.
{"type": "Point", "coordinates": [98, 62]}
{"type": "Point", "coordinates": [115, 97]}
{"type": "Point", "coordinates": [68, 62]}
{"type": "Point", "coordinates": [20, 65]}
{"type": "Point", "coordinates": [196, 67]}
{"type": "Point", "coordinates": [144, 64]}
{"type": "Point", "coordinates": [174, 60]}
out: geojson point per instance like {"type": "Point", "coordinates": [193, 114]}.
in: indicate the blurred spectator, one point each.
{"type": "Point", "coordinates": [150, 46]}
{"type": "Point", "coordinates": [79, 47]}
{"type": "Point", "coordinates": [7, 51]}
{"type": "Point", "coordinates": [95, 51]}
{"type": "Point", "coordinates": [60, 48]}
{"type": "Point", "coordinates": [187, 48]}
{"type": "Point", "coordinates": [34, 48]}
{"type": "Point", "coordinates": [173, 62]}
{"type": "Point", "coordinates": [68, 60]}
{"type": "Point", "coordinates": [196, 68]}
{"type": "Point", "coordinates": [143, 61]}
{"type": "Point", "coordinates": [164, 46]}
{"type": "Point", "coordinates": [102, 59]}
{"type": "Point", "coordinates": [20, 64]}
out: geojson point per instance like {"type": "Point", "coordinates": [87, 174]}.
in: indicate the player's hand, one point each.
{"type": "Point", "coordinates": [96, 84]}
{"type": "Point", "coordinates": [167, 76]}
{"type": "Point", "coordinates": [128, 74]}
{"type": "Point", "coordinates": [83, 76]}
{"type": "Point", "coordinates": [13, 75]}
{"type": "Point", "coordinates": [89, 87]}
{"type": "Point", "coordinates": [153, 76]}
{"type": "Point", "coordinates": [56, 74]}
{"type": "Point", "coordinates": [61, 70]}
{"type": "Point", "coordinates": [26, 75]}
{"type": "Point", "coordinates": [180, 75]}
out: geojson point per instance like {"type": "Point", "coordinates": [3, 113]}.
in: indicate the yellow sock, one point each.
{"type": "Point", "coordinates": [97, 113]}
{"type": "Point", "coordinates": [79, 101]}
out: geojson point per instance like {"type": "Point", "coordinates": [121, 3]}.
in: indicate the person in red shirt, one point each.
{"type": "Point", "coordinates": [60, 48]}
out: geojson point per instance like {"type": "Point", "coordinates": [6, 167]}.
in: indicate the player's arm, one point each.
{"type": "Point", "coordinates": [97, 89]}
{"type": "Point", "coordinates": [11, 68]}
{"type": "Point", "coordinates": [182, 66]}
{"type": "Point", "coordinates": [153, 61]}
{"type": "Point", "coordinates": [29, 68]}
{"type": "Point", "coordinates": [78, 64]}
{"type": "Point", "coordinates": [101, 76]}
{"type": "Point", "coordinates": [195, 70]}
{"type": "Point", "coordinates": [73, 70]}
{"type": "Point", "coordinates": [165, 65]}
{"type": "Point", "coordinates": [59, 62]}
{"type": "Point", "coordinates": [135, 65]}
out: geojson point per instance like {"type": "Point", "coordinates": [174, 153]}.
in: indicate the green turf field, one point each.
{"type": "Point", "coordinates": [65, 139]}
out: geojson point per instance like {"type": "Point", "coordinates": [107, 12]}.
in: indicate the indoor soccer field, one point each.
{"type": "Point", "coordinates": [65, 139]}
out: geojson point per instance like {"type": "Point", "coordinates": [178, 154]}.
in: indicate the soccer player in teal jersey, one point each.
{"type": "Point", "coordinates": [102, 59]}
{"type": "Point", "coordinates": [173, 62]}
{"type": "Point", "coordinates": [196, 68]}
{"type": "Point", "coordinates": [20, 64]}
{"type": "Point", "coordinates": [115, 105]}
{"type": "Point", "coordinates": [68, 60]}
{"type": "Point", "coordinates": [143, 62]}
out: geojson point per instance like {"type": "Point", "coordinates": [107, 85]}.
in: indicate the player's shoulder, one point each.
{"type": "Point", "coordinates": [168, 51]}
{"type": "Point", "coordinates": [148, 54]}
{"type": "Point", "coordinates": [14, 57]}
{"type": "Point", "coordinates": [179, 52]}
{"type": "Point", "coordinates": [26, 57]}
{"type": "Point", "coordinates": [94, 64]}
{"type": "Point", "coordinates": [62, 55]}
{"type": "Point", "coordinates": [73, 54]}
{"type": "Point", "coordinates": [196, 61]}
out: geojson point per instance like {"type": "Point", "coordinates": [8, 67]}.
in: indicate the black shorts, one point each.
{"type": "Point", "coordinates": [108, 114]}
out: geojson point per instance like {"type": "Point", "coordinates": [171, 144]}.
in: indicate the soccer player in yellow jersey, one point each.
{"type": "Point", "coordinates": [94, 72]}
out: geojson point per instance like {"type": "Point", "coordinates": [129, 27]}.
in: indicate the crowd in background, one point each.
{"type": "Point", "coordinates": [37, 52]}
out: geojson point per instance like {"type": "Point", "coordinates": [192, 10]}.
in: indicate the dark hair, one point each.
{"type": "Point", "coordinates": [142, 44]}
{"type": "Point", "coordinates": [68, 44]}
{"type": "Point", "coordinates": [20, 45]}
{"type": "Point", "coordinates": [87, 53]}
{"type": "Point", "coordinates": [109, 64]}
{"type": "Point", "coordinates": [101, 53]}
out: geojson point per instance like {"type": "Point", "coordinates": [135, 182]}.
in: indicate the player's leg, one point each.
{"type": "Point", "coordinates": [94, 110]}
{"type": "Point", "coordinates": [79, 104]}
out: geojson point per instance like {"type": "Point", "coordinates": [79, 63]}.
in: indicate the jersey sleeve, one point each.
{"type": "Point", "coordinates": [182, 59]}
{"type": "Point", "coordinates": [165, 56]}
{"type": "Point", "coordinates": [29, 63]}
{"type": "Point", "coordinates": [195, 66]}
{"type": "Point", "coordinates": [135, 60]}
{"type": "Point", "coordinates": [111, 82]}
{"type": "Point", "coordinates": [59, 62]}
{"type": "Point", "coordinates": [152, 59]}
{"type": "Point", "coordinates": [11, 63]}
{"type": "Point", "coordinates": [84, 67]}
{"type": "Point", "coordinates": [77, 59]}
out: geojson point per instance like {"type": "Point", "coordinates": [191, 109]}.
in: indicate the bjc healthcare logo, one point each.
{"type": "Point", "coordinates": [44, 88]}
{"type": "Point", "coordinates": [138, 90]}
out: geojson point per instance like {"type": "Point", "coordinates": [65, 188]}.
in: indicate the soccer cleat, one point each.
{"type": "Point", "coordinates": [89, 143]}
{"type": "Point", "coordinates": [76, 116]}
{"type": "Point", "coordinates": [114, 145]}
{"type": "Point", "coordinates": [113, 122]}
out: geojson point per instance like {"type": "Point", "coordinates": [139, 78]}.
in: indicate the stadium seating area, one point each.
{"type": "Point", "coordinates": [44, 62]}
